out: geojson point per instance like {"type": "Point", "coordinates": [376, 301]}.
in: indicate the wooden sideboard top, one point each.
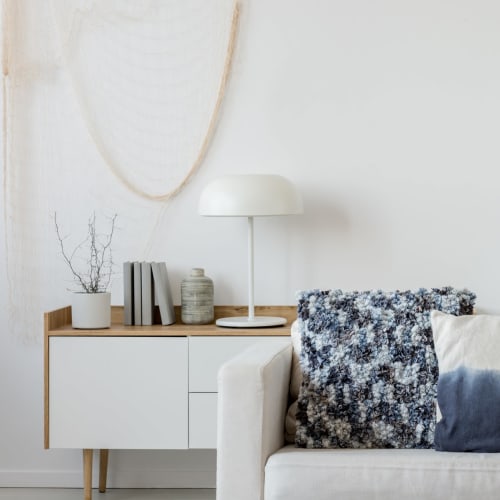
{"type": "Point", "coordinates": [58, 323]}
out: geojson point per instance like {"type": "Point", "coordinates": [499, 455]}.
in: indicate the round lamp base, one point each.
{"type": "Point", "coordinates": [246, 322]}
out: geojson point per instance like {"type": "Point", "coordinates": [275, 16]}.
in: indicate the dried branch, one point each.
{"type": "Point", "coordinates": [99, 262]}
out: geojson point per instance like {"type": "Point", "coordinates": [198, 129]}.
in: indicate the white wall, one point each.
{"type": "Point", "coordinates": [386, 115]}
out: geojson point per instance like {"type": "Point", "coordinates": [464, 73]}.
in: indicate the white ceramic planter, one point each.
{"type": "Point", "coordinates": [91, 310]}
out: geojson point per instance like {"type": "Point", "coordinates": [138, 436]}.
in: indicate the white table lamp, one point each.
{"type": "Point", "coordinates": [250, 196]}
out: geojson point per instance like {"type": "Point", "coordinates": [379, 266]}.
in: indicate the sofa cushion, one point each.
{"type": "Point", "coordinates": [369, 367]}
{"type": "Point", "coordinates": [390, 474]}
{"type": "Point", "coordinates": [295, 383]}
{"type": "Point", "coordinates": [468, 391]}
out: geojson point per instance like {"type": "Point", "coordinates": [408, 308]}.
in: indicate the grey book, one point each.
{"type": "Point", "coordinates": [128, 293]}
{"type": "Point", "coordinates": [147, 293]}
{"type": "Point", "coordinates": [163, 292]}
{"type": "Point", "coordinates": [137, 294]}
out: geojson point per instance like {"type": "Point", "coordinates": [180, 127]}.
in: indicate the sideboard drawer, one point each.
{"type": "Point", "coordinates": [203, 420]}
{"type": "Point", "coordinates": [208, 354]}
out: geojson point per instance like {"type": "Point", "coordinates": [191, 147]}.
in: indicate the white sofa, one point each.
{"type": "Point", "coordinates": [254, 463]}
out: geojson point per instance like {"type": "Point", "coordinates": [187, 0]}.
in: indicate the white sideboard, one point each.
{"type": "Point", "coordinates": [133, 387]}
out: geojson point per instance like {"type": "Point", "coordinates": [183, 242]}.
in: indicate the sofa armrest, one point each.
{"type": "Point", "coordinates": [252, 400]}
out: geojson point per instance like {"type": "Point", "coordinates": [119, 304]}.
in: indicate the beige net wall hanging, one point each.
{"type": "Point", "coordinates": [109, 106]}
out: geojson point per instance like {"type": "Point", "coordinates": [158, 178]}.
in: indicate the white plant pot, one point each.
{"type": "Point", "coordinates": [91, 310]}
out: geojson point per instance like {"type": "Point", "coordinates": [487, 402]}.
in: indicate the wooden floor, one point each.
{"type": "Point", "coordinates": [111, 494]}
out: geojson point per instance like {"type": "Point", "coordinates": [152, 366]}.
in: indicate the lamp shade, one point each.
{"type": "Point", "coordinates": [250, 196]}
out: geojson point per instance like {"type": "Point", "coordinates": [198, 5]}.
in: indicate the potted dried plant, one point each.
{"type": "Point", "coordinates": [91, 264]}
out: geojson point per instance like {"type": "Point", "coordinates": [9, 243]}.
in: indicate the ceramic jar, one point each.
{"type": "Point", "coordinates": [197, 298]}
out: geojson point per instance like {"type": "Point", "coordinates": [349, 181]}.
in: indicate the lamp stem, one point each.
{"type": "Point", "coordinates": [251, 308]}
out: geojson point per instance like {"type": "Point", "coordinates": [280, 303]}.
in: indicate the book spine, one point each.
{"type": "Point", "coordinates": [169, 298]}
{"type": "Point", "coordinates": [137, 294]}
{"type": "Point", "coordinates": [162, 292]}
{"type": "Point", "coordinates": [147, 293]}
{"type": "Point", "coordinates": [128, 287]}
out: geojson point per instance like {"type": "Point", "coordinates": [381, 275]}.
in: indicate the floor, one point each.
{"type": "Point", "coordinates": [111, 494]}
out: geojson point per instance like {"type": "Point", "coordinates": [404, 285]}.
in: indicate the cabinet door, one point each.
{"type": "Point", "coordinates": [118, 392]}
{"type": "Point", "coordinates": [203, 420]}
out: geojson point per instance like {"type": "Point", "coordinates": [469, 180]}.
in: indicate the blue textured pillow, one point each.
{"type": "Point", "coordinates": [369, 367]}
{"type": "Point", "coordinates": [468, 391]}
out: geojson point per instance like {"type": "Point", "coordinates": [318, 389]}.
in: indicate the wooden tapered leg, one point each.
{"type": "Point", "coordinates": [103, 470]}
{"type": "Point", "coordinates": [87, 474]}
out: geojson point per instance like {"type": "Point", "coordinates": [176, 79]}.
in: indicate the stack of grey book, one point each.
{"type": "Point", "coordinates": [146, 291]}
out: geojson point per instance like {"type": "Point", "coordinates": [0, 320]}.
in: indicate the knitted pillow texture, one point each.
{"type": "Point", "coordinates": [369, 367]}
